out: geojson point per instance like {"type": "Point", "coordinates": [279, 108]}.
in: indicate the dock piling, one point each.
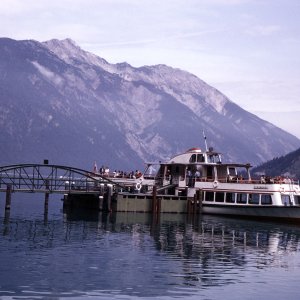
{"type": "Point", "coordinates": [158, 205]}
{"type": "Point", "coordinates": [46, 203]}
{"type": "Point", "coordinates": [8, 196]}
{"type": "Point", "coordinates": [195, 204]}
{"type": "Point", "coordinates": [154, 199]}
{"type": "Point", "coordinates": [109, 196]}
{"type": "Point", "coordinates": [101, 197]}
{"type": "Point", "coordinates": [189, 206]}
{"type": "Point", "coordinates": [199, 194]}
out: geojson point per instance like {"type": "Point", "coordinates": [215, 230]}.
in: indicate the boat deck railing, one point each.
{"type": "Point", "coordinates": [227, 179]}
{"type": "Point", "coordinates": [250, 181]}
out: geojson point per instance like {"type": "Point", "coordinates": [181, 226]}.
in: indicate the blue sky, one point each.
{"type": "Point", "coordinates": [249, 50]}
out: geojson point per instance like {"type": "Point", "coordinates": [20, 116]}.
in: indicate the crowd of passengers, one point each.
{"type": "Point", "coordinates": [277, 179]}
{"type": "Point", "coordinates": [263, 179]}
{"type": "Point", "coordinates": [104, 171]}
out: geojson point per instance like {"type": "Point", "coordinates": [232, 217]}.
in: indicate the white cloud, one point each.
{"type": "Point", "coordinates": [265, 30]}
{"type": "Point", "coordinates": [48, 74]}
{"type": "Point", "coordinates": [12, 7]}
{"type": "Point", "coordinates": [263, 95]}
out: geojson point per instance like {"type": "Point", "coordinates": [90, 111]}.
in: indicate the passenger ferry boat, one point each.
{"type": "Point", "coordinates": [227, 188]}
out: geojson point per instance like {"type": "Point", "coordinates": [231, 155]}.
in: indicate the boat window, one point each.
{"type": "Point", "coordinates": [214, 158]}
{"type": "Point", "coordinates": [209, 172]}
{"type": "Point", "coordinates": [229, 197]}
{"type": "Point", "coordinates": [297, 200]}
{"type": "Point", "coordinates": [253, 198]}
{"type": "Point", "coordinates": [232, 171]}
{"type": "Point", "coordinates": [241, 198]}
{"type": "Point", "coordinates": [219, 197]}
{"type": "Point", "coordinates": [285, 199]}
{"type": "Point", "coordinates": [200, 158]}
{"type": "Point", "coordinates": [193, 158]}
{"type": "Point", "coordinates": [209, 196]}
{"type": "Point", "coordinates": [266, 199]}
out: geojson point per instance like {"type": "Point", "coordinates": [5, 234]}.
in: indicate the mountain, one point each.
{"type": "Point", "coordinates": [288, 165]}
{"type": "Point", "coordinates": [61, 103]}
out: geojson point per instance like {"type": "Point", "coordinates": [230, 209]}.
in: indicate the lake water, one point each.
{"type": "Point", "coordinates": [135, 256]}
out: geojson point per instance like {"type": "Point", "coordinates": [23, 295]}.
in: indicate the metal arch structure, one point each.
{"type": "Point", "coordinates": [50, 179]}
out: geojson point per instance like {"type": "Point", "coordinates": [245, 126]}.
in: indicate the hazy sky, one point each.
{"type": "Point", "coordinates": [249, 50]}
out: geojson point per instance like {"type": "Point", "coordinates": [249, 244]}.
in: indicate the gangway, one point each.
{"type": "Point", "coordinates": [50, 178]}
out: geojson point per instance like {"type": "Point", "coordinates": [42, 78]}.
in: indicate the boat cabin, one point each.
{"type": "Point", "coordinates": [194, 165]}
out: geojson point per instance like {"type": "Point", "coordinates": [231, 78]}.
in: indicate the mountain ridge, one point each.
{"type": "Point", "coordinates": [287, 165]}
{"type": "Point", "coordinates": [87, 109]}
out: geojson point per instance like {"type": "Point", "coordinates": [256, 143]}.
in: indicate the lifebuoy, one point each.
{"type": "Point", "coordinates": [138, 186]}
{"type": "Point", "coordinates": [215, 184]}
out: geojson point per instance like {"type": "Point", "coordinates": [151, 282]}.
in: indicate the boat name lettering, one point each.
{"type": "Point", "coordinates": [257, 187]}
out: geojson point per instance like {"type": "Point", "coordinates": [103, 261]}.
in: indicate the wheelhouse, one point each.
{"type": "Point", "coordinates": [194, 166]}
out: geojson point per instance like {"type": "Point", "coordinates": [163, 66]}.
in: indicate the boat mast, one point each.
{"type": "Point", "coordinates": [206, 148]}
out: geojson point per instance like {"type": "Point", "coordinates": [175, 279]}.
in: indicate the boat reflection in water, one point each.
{"type": "Point", "coordinates": [137, 255]}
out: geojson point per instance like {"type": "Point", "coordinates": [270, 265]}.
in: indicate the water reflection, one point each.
{"type": "Point", "coordinates": [129, 254]}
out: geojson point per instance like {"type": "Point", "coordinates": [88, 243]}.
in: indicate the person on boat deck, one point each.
{"type": "Point", "coordinates": [168, 174]}
{"type": "Point", "coordinates": [137, 174]}
{"type": "Point", "coordinates": [106, 171]}
{"type": "Point", "coordinates": [189, 177]}
{"type": "Point", "coordinates": [197, 174]}
{"type": "Point", "coordinates": [102, 170]}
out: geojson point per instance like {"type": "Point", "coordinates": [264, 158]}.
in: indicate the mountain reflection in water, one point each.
{"type": "Point", "coordinates": [129, 256]}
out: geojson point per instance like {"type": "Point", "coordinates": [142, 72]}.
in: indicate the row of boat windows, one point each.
{"type": "Point", "coordinates": [242, 198]}
{"type": "Point", "coordinates": [197, 158]}
{"type": "Point", "coordinates": [212, 158]}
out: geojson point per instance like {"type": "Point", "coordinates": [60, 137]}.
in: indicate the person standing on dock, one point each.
{"type": "Point", "coordinates": [101, 170]}
{"type": "Point", "coordinates": [95, 168]}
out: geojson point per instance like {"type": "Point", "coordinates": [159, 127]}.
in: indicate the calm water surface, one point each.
{"type": "Point", "coordinates": [134, 256]}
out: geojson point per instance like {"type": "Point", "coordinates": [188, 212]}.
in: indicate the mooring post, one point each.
{"type": "Point", "coordinates": [154, 199]}
{"type": "Point", "coordinates": [100, 202]}
{"type": "Point", "coordinates": [195, 204]}
{"type": "Point", "coordinates": [46, 216]}
{"type": "Point", "coordinates": [6, 222]}
{"type": "Point", "coordinates": [101, 197]}
{"type": "Point", "coordinates": [158, 205]}
{"type": "Point", "coordinates": [6, 216]}
{"type": "Point", "coordinates": [199, 199]}
{"type": "Point", "coordinates": [109, 196]}
{"type": "Point", "coordinates": [189, 204]}
{"type": "Point", "coordinates": [8, 196]}
{"type": "Point", "coordinates": [46, 202]}
{"type": "Point", "coordinates": [46, 196]}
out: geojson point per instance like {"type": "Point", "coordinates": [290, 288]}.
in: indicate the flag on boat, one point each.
{"type": "Point", "coordinates": [95, 168]}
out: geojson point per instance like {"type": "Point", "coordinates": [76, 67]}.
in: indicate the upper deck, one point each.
{"type": "Point", "coordinates": [195, 155]}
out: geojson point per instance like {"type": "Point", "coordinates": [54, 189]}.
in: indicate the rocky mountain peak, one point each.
{"type": "Point", "coordinates": [65, 49]}
{"type": "Point", "coordinates": [70, 52]}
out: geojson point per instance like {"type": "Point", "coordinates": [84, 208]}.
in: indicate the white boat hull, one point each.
{"type": "Point", "coordinates": [254, 211]}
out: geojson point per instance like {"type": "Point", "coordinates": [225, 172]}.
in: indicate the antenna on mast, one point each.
{"type": "Point", "coordinates": [206, 148]}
